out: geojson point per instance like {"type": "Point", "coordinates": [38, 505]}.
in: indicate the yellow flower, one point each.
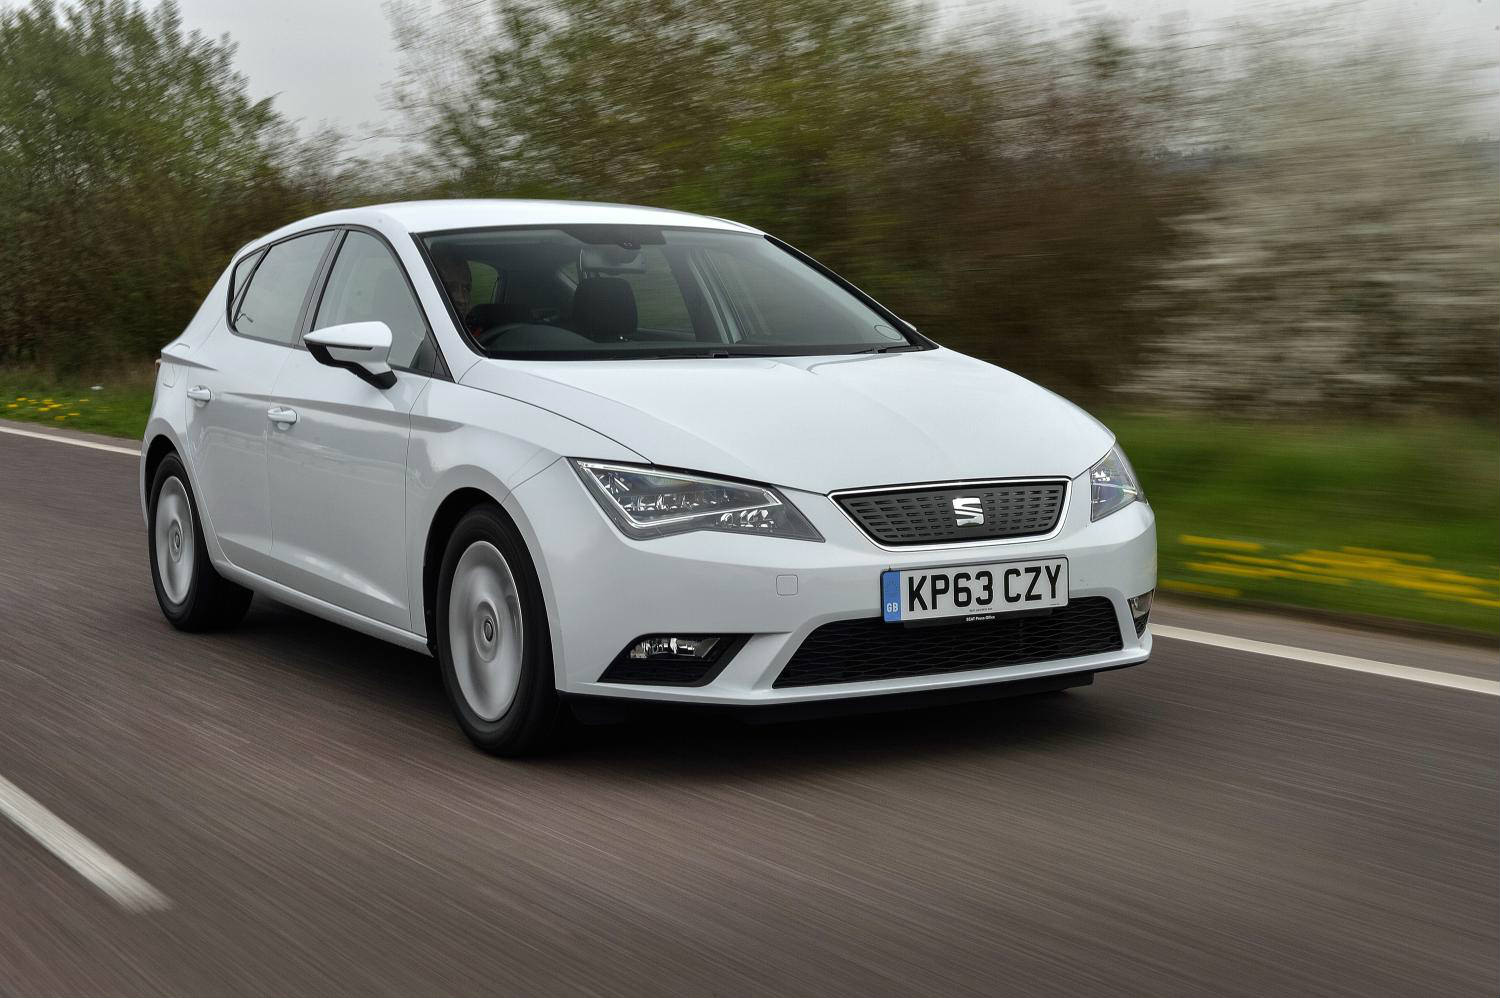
{"type": "Point", "coordinates": [72, 414]}
{"type": "Point", "coordinates": [59, 417]}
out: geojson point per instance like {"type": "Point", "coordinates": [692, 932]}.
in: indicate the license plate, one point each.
{"type": "Point", "coordinates": [973, 590]}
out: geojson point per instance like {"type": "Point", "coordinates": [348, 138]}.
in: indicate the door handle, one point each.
{"type": "Point", "coordinates": [199, 393]}
{"type": "Point", "coordinates": [282, 415]}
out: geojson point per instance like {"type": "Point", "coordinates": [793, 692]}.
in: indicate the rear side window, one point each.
{"type": "Point", "coordinates": [270, 306]}
{"type": "Point", "coordinates": [367, 284]}
{"type": "Point", "coordinates": [240, 276]}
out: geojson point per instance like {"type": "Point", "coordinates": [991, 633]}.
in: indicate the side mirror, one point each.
{"type": "Point", "coordinates": [362, 348]}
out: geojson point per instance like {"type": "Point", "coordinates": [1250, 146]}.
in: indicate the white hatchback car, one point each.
{"type": "Point", "coordinates": [586, 451]}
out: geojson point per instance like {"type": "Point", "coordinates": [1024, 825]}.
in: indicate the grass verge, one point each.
{"type": "Point", "coordinates": [116, 404]}
{"type": "Point", "coordinates": [1393, 520]}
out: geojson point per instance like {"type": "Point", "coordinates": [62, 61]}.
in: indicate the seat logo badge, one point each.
{"type": "Point", "coordinates": [967, 512]}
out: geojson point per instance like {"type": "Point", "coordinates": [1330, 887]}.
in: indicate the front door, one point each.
{"type": "Point", "coordinates": [336, 457]}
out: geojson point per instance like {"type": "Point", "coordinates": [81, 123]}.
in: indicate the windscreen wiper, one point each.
{"type": "Point", "coordinates": [681, 354]}
{"type": "Point", "coordinates": [893, 348]}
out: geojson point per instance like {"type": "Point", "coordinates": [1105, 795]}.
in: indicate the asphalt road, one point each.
{"type": "Point", "coordinates": [1214, 822]}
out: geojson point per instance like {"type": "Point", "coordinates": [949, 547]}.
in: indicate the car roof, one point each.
{"type": "Point", "coordinates": [438, 216]}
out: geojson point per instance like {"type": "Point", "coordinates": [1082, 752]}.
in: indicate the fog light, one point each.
{"type": "Point", "coordinates": [673, 659]}
{"type": "Point", "coordinates": [671, 646]}
{"type": "Point", "coordinates": [1140, 609]}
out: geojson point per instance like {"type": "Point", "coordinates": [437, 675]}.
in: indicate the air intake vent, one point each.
{"type": "Point", "coordinates": [857, 651]}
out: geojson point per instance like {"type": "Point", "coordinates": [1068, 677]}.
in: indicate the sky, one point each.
{"type": "Point", "coordinates": [332, 61]}
{"type": "Point", "coordinates": [325, 61]}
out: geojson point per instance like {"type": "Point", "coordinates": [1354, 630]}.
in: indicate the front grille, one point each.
{"type": "Point", "coordinates": [927, 515]}
{"type": "Point", "coordinates": [856, 651]}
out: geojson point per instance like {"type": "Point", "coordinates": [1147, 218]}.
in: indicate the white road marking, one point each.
{"type": "Point", "coordinates": [71, 441]}
{"type": "Point", "coordinates": [69, 845]}
{"type": "Point", "coordinates": [1407, 672]}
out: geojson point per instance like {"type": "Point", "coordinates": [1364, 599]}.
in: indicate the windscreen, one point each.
{"type": "Point", "coordinates": [621, 292]}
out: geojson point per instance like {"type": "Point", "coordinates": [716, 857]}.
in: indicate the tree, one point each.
{"type": "Point", "coordinates": [999, 190]}
{"type": "Point", "coordinates": [1345, 258]}
{"type": "Point", "coordinates": [132, 162]}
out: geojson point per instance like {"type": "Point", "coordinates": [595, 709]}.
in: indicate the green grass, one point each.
{"type": "Point", "coordinates": [1291, 498]}
{"type": "Point", "coordinates": [1246, 512]}
{"type": "Point", "coordinates": [118, 406]}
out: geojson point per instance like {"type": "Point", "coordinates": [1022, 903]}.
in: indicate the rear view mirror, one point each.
{"type": "Point", "coordinates": [362, 348]}
{"type": "Point", "coordinates": [611, 260]}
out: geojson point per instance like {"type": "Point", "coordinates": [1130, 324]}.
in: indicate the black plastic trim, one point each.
{"type": "Point", "coordinates": [840, 498]}
{"type": "Point", "coordinates": [618, 670]}
{"type": "Point", "coordinates": [383, 380]}
{"type": "Point", "coordinates": [867, 649]}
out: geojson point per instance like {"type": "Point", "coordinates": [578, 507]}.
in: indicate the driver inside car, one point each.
{"type": "Point", "coordinates": [457, 280]}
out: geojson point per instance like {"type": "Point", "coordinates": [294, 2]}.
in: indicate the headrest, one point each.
{"type": "Point", "coordinates": [604, 308]}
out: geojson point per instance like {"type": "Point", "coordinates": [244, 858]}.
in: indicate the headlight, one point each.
{"type": "Point", "coordinates": [1112, 485]}
{"type": "Point", "coordinates": [645, 502]}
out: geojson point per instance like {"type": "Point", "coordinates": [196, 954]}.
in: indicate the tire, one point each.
{"type": "Point", "coordinates": [192, 596]}
{"type": "Point", "coordinates": [492, 639]}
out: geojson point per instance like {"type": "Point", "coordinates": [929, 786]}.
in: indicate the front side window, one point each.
{"type": "Point", "coordinates": [617, 292]}
{"type": "Point", "coordinates": [367, 284]}
{"type": "Point", "coordinates": [269, 308]}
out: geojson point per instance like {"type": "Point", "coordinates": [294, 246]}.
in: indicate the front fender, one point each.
{"type": "Point", "coordinates": [466, 438]}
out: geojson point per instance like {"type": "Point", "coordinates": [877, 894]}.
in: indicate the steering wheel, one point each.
{"type": "Point", "coordinates": [488, 338]}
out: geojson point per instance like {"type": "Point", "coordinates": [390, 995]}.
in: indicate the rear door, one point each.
{"type": "Point", "coordinates": [337, 475]}
{"type": "Point", "coordinates": [228, 398]}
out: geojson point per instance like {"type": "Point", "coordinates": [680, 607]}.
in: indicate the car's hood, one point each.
{"type": "Point", "coordinates": [816, 423]}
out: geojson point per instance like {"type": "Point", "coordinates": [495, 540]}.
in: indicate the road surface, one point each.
{"type": "Point", "coordinates": [310, 821]}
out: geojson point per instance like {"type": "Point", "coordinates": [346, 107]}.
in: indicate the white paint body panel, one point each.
{"type": "Point", "coordinates": [817, 423]}
{"type": "Point", "coordinates": [332, 513]}
{"type": "Point", "coordinates": [337, 486]}
{"type": "Point", "coordinates": [604, 589]}
{"type": "Point", "coordinates": [226, 440]}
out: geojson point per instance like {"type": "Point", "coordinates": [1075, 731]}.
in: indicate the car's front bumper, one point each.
{"type": "Point", "coordinates": [604, 590]}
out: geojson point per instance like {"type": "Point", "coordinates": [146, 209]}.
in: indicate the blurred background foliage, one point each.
{"type": "Point", "coordinates": [1290, 218]}
{"type": "Point", "coordinates": [1295, 218]}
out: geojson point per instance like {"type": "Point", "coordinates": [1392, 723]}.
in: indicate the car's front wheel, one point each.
{"type": "Point", "coordinates": [192, 595]}
{"type": "Point", "coordinates": [492, 640]}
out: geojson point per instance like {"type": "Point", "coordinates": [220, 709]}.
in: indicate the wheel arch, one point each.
{"type": "Point", "coordinates": [445, 518]}
{"type": "Point", "coordinates": [159, 440]}
{"type": "Point", "coordinates": [156, 451]}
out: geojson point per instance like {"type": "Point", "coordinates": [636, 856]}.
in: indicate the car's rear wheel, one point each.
{"type": "Point", "coordinates": [193, 596]}
{"type": "Point", "coordinates": [492, 640]}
